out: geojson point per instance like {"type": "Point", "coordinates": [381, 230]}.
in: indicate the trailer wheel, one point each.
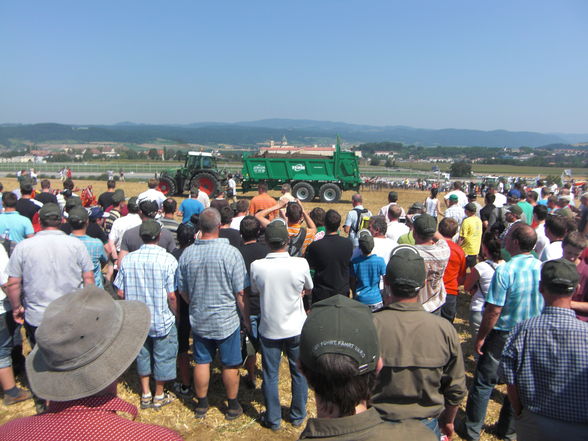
{"type": "Point", "coordinates": [330, 193]}
{"type": "Point", "coordinates": [167, 186]}
{"type": "Point", "coordinates": [207, 183]}
{"type": "Point", "coordinates": [303, 191]}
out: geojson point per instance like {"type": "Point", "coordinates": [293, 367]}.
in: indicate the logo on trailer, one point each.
{"type": "Point", "coordinates": [259, 168]}
{"type": "Point", "coordinates": [298, 167]}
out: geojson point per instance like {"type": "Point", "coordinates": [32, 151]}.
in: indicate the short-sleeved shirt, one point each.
{"type": "Point", "coordinates": [148, 275]}
{"type": "Point", "coordinates": [552, 251]}
{"type": "Point", "coordinates": [456, 268]}
{"type": "Point", "coordinates": [471, 233]}
{"type": "Point", "coordinates": [527, 210]}
{"type": "Point", "coordinates": [97, 254]}
{"type": "Point", "coordinates": [432, 295]}
{"type": "Point", "coordinates": [212, 272]}
{"type": "Point", "coordinates": [455, 212]}
{"type": "Point", "coordinates": [294, 230]}
{"type": "Point", "coordinates": [190, 207]}
{"type": "Point", "coordinates": [546, 357]}
{"type": "Point", "coordinates": [515, 288]}
{"type": "Point", "coordinates": [462, 199]}
{"type": "Point", "coordinates": [368, 271]}
{"type": "Point", "coordinates": [17, 225]}
{"type": "Point", "coordinates": [262, 202]}
{"type": "Point", "coordinates": [252, 252]}
{"type": "Point", "coordinates": [28, 207]}
{"type": "Point", "coordinates": [51, 265]}
{"type": "Point", "coordinates": [132, 241]}
{"type": "Point", "coordinates": [351, 222]}
{"type": "Point", "coordinates": [105, 199]}
{"type": "Point", "coordinates": [46, 197]}
{"type": "Point", "coordinates": [152, 195]}
{"type": "Point", "coordinates": [121, 225]}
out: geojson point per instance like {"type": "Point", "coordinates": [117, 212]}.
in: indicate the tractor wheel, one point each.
{"type": "Point", "coordinates": [303, 191]}
{"type": "Point", "coordinates": [167, 186]}
{"type": "Point", "coordinates": [207, 183]}
{"type": "Point", "coordinates": [330, 193]}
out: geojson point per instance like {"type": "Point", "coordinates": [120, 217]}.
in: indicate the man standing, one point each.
{"type": "Point", "coordinates": [26, 205]}
{"type": "Point", "coordinates": [168, 221]}
{"type": "Point", "coordinates": [232, 188]}
{"type": "Point", "coordinates": [353, 220]}
{"type": "Point", "coordinates": [152, 193]}
{"type": "Point", "coordinates": [392, 202]}
{"type": "Point", "coordinates": [527, 206]}
{"type": "Point", "coordinates": [46, 195]}
{"type": "Point", "coordinates": [470, 235]}
{"type": "Point", "coordinates": [116, 210]}
{"type": "Point", "coordinates": [539, 217]}
{"type": "Point", "coordinates": [105, 199]}
{"type": "Point", "coordinates": [423, 380]}
{"type": "Point", "coordinates": [280, 280]}
{"type": "Point", "coordinates": [17, 227]}
{"type": "Point", "coordinates": [513, 296]}
{"type": "Point", "coordinates": [329, 259]}
{"type": "Point", "coordinates": [545, 361]}
{"type": "Point", "coordinates": [286, 191]}
{"type": "Point", "coordinates": [395, 228]}
{"type": "Point", "coordinates": [45, 267]}
{"type": "Point", "coordinates": [454, 210]}
{"type": "Point", "coordinates": [212, 279]}
{"type": "Point", "coordinates": [148, 276]}
{"type": "Point", "coordinates": [191, 206]}
{"type": "Point", "coordinates": [555, 231]}
{"type": "Point", "coordinates": [262, 201]}
{"type": "Point", "coordinates": [121, 225]}
{"type": "Point", "coordinates": [455, 271]}
{"type": "Point", "coordinates": [462, 199]}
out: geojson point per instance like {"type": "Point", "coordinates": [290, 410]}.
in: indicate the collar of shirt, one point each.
{"type": "Point", "coordinates": [332, 427]}
{"type": "Point", "coordinates": [152, 246]}
{"type": "Point", "coordinates": [405, 306]}
{"type": "Point", "coordinates": [281, 255]}
{"type": "Point", "coordinates": [554, 310]}
{"type": "Point", "coordinates": [104, 403]}
{"type": "Point", "coordinates": [50, 232]}
{"type": "Point", "coordinates": [201, 242]}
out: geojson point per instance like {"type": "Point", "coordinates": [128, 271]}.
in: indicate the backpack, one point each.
{"type": "Point", "coordinates": [296, 243]}
{"type": "Point", "coordinates": [363, 219]}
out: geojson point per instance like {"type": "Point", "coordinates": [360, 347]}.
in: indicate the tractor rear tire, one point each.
{"type": "Point", "coordinates": [206, 182]}
{"type": "Point", "coordinates": [330, 193]}
{"type": "Point", "coordinates": [303, 191]}
{"type": "Point", "coordinates": [167, 186]}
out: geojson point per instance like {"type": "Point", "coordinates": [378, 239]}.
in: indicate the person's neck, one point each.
{"type": "Point", "coordinates": [249, 242]}
{"type": "Point", "coordinates": [169, 216]}
{"type": "Point", "coordinates": [330, 412]}
{"type": "Point", "coordinates": [209, 236]}
{"type": "Point", "coordinates": [79, 232]}
{"type": "Point", "coordinates": [26, 196]}
{"type": "Point", "coordinates": [395, 299]}
{"type": "Point", "coordinates": [558, 301]}
{"type": "Point", "coordinates": [50, 229]}
{"type": "Point", "coordinates": [45, 190]}
{"type": "Point", "coordinates": [9, 209]}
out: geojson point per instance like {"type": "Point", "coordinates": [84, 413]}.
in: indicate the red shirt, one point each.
{"type": "Point", "coordinates": [93, 418]}
{"type": "Point", "coordinates": [456, 268]}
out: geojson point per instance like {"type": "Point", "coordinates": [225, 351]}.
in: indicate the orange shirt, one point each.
{"type": "Point", "coordinates": [262, 202]}
{"type": "Point", "coordinates": [294, 229]}
{"type": "Point", "coordinates": [456, 268]}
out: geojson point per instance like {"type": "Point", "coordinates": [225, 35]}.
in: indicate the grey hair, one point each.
{"type": "Point", "coordinates": [209, 220]}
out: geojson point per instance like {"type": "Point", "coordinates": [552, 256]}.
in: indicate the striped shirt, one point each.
{"type": "Point", "coordinates": [546, 357]}
{"type": "Point", "coordinates": [515, 288]}
{"type": "Point", "coordinates": [294, 230]}
{"type": "Point", "coordinates": [212, 272]}
{"type": "Point", "coordinates": [148, 275]}
{"type": "Point", "coordinates": [97, 255]}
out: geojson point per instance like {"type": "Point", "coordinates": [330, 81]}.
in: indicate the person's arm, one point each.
{"type": "Point", "coordinates": [88, 277]}
{"type": "Point", "coordinates": [447, 419]}
{"type": "Point", "coordinates": [261, 215]}
{"type": "Point", "coordinates": [309, 222]}
{"type": "Point", "coordinates": [121, 255]}
{"type": "Point", "coordinates": [489, 319]}
{"type": "Point", "coordinates": [471, 281]}
{"type": "Point", "coordinates": [13, 291]}
{"type": "Point", "coordinates": [172, 302]}
{"type": "Point", "coordinates": [121, 294]}
{"type": "Point", "coordinates": [580, 306]}
{"type": "Point", "coordinates": [244, 308]}
{"type": "Point", "coordinates": [514, 398]}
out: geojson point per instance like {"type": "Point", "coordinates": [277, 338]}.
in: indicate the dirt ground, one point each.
{"type": "Point", "coordinates": [179, 415]}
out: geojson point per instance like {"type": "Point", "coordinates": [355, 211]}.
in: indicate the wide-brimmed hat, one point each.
{"type": "Point", "coordinates": [85, 342]}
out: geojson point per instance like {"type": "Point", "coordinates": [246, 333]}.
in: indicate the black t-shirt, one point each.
{"type": "Point", "coordinates": [233, 235]}
{"type": "Point", "coordinates": [486, 211]}
{"type": "Point", "coordinates": [93, 230]}
{"type": "Point", "coordinates": [252, 252]}
{"type": "Point", "coordinates": [105, 199]}
{"type": "Point", "coordinates": [27, 208]}
{"type": "Point", "coordinates": [45, 198]}
{"type": "Point", "coordinates": [330, 258]}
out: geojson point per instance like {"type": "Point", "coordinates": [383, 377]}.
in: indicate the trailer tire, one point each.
{"type": "Point", "coordinates": [330, 193]}
{"type": "Point", "coordinates": [206, 182]}
{"type": "Point", "coordinates": [303, 191]}
{"type": "Point", "coordinates": [167, 186]}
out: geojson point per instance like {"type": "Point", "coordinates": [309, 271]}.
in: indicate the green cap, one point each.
{"type": "Point", "coordinates": [72, 202]}
{"type": "Point", "coordinates": [514, 209]}
{"type": "Point", "coordinates": [339, 325]}
{"type": "Point", "coordinates": [118, 196]}
{"type": "Point", "coordinates": [366, 241]}
{"type": "Point", "coordinates": [150, 228]}
{"type": "Point", "coordinates": [276, 232]}
{"type": "Point", "coordinates": [77, 214]}
{"type": "Point", "coordinates": [453, 197]}
{"type": "Point", "coordinates": [425, 225]}
{"type": "Point", "coordinates": [560, 275]}
{"type": "Point", "coordinates": [405, 271]}
{"type": "Point", "coordinates": [49, 210]}
{"type": "Point", "coordinates": [470, 207]}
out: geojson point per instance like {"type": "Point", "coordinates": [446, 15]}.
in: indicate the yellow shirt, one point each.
{"type": "Point", "coordinates": [471, 233]}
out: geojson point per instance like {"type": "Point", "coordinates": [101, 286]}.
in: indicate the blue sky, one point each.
{"type": "Point", "coordinates": [519, 65]}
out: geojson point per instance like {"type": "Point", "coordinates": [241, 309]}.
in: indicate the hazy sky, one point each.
{"type": "Point", "coordinates": [516, 65]}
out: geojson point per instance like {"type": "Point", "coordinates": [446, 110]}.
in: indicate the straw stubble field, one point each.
{"type": "Point", "coordinates": [179, 415]}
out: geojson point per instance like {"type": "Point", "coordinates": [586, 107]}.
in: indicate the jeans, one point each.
{"type": "Point", "coordinates": [271, 355]}
{"type": "Point", "coordinates": [433, 424]}
{"type": "Point", "coordinates": [158, 356]}
{"type": "Point", "coordinates": [6, 342]}
{"type": "Point", "coordinates": [449, 308]}
{"type": "Point", "coordinates": [485, 378]}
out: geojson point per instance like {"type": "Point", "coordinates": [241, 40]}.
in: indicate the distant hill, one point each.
{"type": "Point", "coordinates": [249, 133]}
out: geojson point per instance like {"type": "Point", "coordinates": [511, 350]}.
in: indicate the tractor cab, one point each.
{"type": "Point", "coordinates": [199, 161]}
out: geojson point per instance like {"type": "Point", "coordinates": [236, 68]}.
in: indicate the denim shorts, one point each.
{"type": "Point", "coordinates": [5, 340]}
{"type": "Point", "coordinates": [254, 334]}
{"type": "Point", "coordinates": [229, 349]}
{"type": "Point", "coordinates": [158, 357]}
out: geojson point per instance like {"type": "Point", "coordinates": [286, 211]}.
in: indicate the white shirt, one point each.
{"type": "Point", "coordinates": [232, 185]}
{"type": "Point", "coordinates": [280, 280]}
{"type": "Point", "coordinates": [500, 200]}
{"type": "Point", "coordinates": [152, 195]}
{"type": "Point", "coordinates": [385, 208]}
{"type": "Point", "coordinates": [204, 199]}
{"type": "Point", "coordinates": [462, 199]}
{"type": "Point", "coordinates": [395, 230]}
{"type": "Point", "coordinates": [455, 212]}
{"type": "Point", "coordinates": [542, 240]}
{"type": "Point", "coordinates": [552, 251]}
{"type": "Point", "coordinates": [287, 197]}
{"type": "Point", "coordinates": [236, 223]}
{"type": "Point", "coordinates": [121, 225]}
{"type": "Point", "coordinates": [486, 271]}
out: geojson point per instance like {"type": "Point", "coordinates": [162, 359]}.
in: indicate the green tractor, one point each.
{"type": "Point", "coordinates": [200, 170]}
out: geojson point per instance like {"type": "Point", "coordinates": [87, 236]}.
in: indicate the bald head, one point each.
{"type": "Point", "coordinates": [356, 199]}
{"type": "Point", "coordinates": [524, 235]}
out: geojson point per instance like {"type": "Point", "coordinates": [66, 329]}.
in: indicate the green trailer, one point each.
{"type": "Point", "coordinates": [309, 175]}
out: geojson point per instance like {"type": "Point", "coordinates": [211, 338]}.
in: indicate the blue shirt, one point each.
{"type": "Point", "coordinates": [189, 207]}
{"type": "Point", "coordinates": [97, 254]}
{"type": "Point", "coordinates": [368, 271]}
{"type": "Point", "coordinates": [148, 275]}
{"type": "Point", "coordinates": [547, 358]}
{"type": "Point", "coordinates": [212, 272]}
{"type": "Point", "coordinates": [18, 226]}
{"type": "Point", "coordinates": [515, 287]}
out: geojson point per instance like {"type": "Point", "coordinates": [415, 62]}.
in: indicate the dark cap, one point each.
{"type": "Point", "coordinates": [339, 325]}
{"type": "Point", "coordinates": [149, 208]}
{"type": "Point", "coordinates": [366, 241]}
{"type": "Point", "coordinates": [78, 214]}
{"type": "Point", "coordinates": [417, 206]}
{"type": "Point", "coordinates": [425, 225]}
{"type": "Point", "coordinates": [514, 209]}
{"type": "Point", "coordinates": [514, 194]}
{"type": "Point", "coordinates": [132, 204]}
{"type": "Point", "coordinates": [406, 269]}
{"type": "Point", "coordinates": [560, 275]}
{"type": "Point", "coordinates": [72, 202]}
{"type": "Point", "coordinates": [150, 228]}
{"type": "Point", "coordinates": [49, 211]}
{"type": "Point", "coordinates": [472, 196]}
{"type": "Point", "coordinates": [118, 196]}
{"type": "Point", "coordinates": [276, 232]}
{"type": "Point", "coordinates": [470, 207]}
{"type": "Point", "coordinates": [97, 213]}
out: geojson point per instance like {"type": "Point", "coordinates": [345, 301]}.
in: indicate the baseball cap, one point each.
{"type": "Point", "coordinates": [276, 232]}
{"type": "Point", "coordinates": [97, 213]}
{"type": "Point", "coordinates": [78, 214]}
{"type": "Point", "coordinates": [49, 210]}
{"type": "Point", "coordinates": [561, 275]}
{"type": "Point", "coordinates": [405, 271]}
{"type": "Point", "coordinates": [417, 206]}
{"type": "Point", "coordinates": [366, 241]}
{"type": "Point", "coordinates": [514, 194]}
{"type": "Point", "coordinates": [565, 197]}
{"type": "Point", "coordinates": [150, 228]}
{"type": "Point", "coordinates": [453, 197]}
{"type": "Point", "coordinates": [470, 207]}
{"type": "Point", "coordinates": [514, 209]}
{"type": "Point", "coordinates": [472, 196]}
{"type": "Point", "coordinates": [425, 225]}
{"type": "Point", "coordinates": [118, 196]}
{"type": "Point", "coordinates": [148, 208]}
{"type": "Point", "coordinates": [72, 202]}
{"type": "Point", "coordinates": [342, 326]}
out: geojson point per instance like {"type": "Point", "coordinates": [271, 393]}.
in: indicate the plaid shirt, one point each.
{"type": "Point", "coordinates": [547, 358]}
{"type": "Point", "coordinates": [97, 254]}
{"type": "Point", "coordinates": [515, 287]}
{"type": "Point", "coordinates": [148, 275]}
{"type": "Point", "coordinates": [211, 272]}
